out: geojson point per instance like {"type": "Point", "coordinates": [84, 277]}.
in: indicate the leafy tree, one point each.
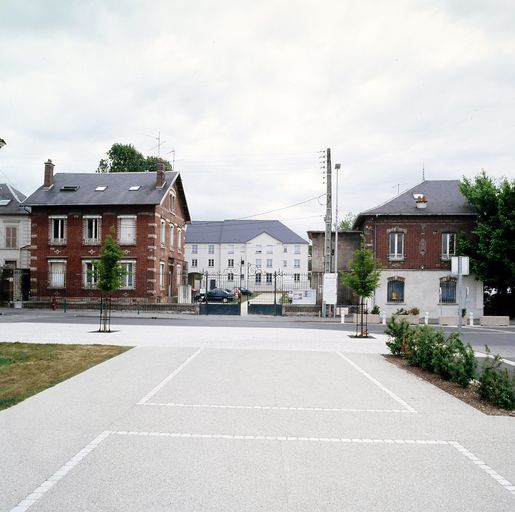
{"type": "Point", "coordinates": [126, 158]}
{"type": "Point", "coordinates": [492, 249]}
{"type": "Point", "coordinates": [108, 271]}
{"type": "Point", "coordinates": [363, 277]}
{"type": "Point", "coordinates": [109, 275]}
{"type": "Point", "coordinates": [347, 222]}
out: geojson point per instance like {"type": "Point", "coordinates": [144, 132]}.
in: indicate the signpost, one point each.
{"type": "Point", "coordinates": [329, 289]}
{"type": "Point", "coordinates": [460, 267]}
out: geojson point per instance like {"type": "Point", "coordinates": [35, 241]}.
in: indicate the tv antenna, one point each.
{"type": "Point", "coordinates": [158, 145]}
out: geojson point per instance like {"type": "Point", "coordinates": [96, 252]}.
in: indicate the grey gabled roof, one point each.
{"type": "Point", "coordinates": [10, 200]}
{"type": "Point", "coordinates": [239, 231]}
{"type": "Point", "coordinates": [116, 193]}
{"type": "Point", "coordinates": [443, 198]}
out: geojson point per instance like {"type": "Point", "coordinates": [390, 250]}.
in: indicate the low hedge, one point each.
{"type": "Point", "coordinates": [450, 358]}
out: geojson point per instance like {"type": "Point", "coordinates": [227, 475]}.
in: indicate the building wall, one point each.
{"type": "Point", "coordinates": [422, 290]}
{"type": "Point", "coordinates": [17, 254]}
{"type": "Point", "coordinates": [147, 253]}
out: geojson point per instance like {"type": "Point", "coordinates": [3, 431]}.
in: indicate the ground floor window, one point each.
{"type": "Point", "coordinates": [448, 290]}
{"type": "Point", "coordinates": [296, 278]}
{"type": "Point", "coordinates": [268, 278]}
{"type": "Point", "coordinates": [129, 272]}
{"type": "Point", "coordinates": [56, 273]}
{"type": "Point", "coordinates": [395, 290]}
{"type": "Point", "coordinates": [230, 276]}
{"type": "Point", "coordinates": [89, 277]}
{"type": "Point", "coordinates": [258, 278]}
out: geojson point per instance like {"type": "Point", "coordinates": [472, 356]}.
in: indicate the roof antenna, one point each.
{"type": "Point", "coordinates": [423, 172]}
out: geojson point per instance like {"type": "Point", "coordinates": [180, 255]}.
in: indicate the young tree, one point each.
{"type": "Point", "coordinates": [492, 249]}
{"type": "Point", "coordinates": [109, 276]}
{"type": "Point", "coordinates": [347, 222]}
{"type": "Point", "coordinates": [363, 278]}
{"type": "Point", "coordinates": [126, 158]}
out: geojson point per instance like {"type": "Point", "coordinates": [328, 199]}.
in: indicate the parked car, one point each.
{"type": "Point", "coordinates": [216, 295]}
{"type": "Point", "coordinates": [243, 291]}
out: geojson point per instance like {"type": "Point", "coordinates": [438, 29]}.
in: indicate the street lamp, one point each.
{"type": "Point", "coordinates": [336, 168]}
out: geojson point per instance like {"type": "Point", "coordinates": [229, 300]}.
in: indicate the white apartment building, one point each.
{"type": "Point", "coordinates": [14, 229]}
{"type": "Point", "coordinates": [245, 253]}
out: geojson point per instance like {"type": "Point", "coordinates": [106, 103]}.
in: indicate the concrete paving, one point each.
{"type": "Point", "coordinates": [247, 419]}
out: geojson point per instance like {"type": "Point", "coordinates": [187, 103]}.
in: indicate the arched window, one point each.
{"type": "Point", "coordinates": [395, 289]}
{"type": "Point", "coordinates": [448, 290]}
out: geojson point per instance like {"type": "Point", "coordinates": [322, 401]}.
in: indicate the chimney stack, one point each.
{"type": "Point", "coordinates": [160, 174]}
{"type": "Point", "coordinates": [49, 174]}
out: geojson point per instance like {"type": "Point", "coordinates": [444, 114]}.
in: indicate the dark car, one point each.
{"type": "Point", "coordinates": [244, 291]}
{"type": "Point", "coordinates": [217, 295]}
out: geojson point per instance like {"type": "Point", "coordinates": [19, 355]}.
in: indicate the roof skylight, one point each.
{"type": "Point", "coordinates": [4, 202]}
{"type": "Point", "coordinates": [100, 188]}
{"type": "Point", "coordinates": [134, 188]}
{"type": "Point", "coordinates": [69, 188]}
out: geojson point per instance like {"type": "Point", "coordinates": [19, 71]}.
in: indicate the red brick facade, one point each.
{"type": "Point", "coordinates": [149, 280]}
{"type": "Point", "coordinates": [422, 239]}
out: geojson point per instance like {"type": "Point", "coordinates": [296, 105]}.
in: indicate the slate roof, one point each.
{"type": "Point", "coordinates": [239, 231]}
{"type": "Point", "coordinates": [443, 198]}
{"type": "Point", "coordinates": [13, 198]}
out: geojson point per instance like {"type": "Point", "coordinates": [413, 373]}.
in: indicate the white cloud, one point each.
{"type": "Point", "coordinates": [248, 92]}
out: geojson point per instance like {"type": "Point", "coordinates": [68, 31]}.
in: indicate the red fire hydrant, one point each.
{"type": "Point", "coordinates": [53, 302]}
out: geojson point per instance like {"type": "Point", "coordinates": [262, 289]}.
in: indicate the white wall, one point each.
{"type": "Point", "coordinates": [22, 222]}
{"type": "Point", "coordinates": [422, 290]}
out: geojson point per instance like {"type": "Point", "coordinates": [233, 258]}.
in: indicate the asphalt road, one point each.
{"type": "Point", "coordinates": [500, 340]}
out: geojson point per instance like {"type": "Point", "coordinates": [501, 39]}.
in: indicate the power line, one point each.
{"type": "Point", "coordinates": [279, 209]}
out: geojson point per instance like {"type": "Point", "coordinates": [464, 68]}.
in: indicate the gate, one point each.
{"type": "Point", "coordinates": [219, 303]}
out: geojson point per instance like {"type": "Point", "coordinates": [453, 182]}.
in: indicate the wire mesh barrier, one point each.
{"type": "Point", "coordinates": [257, 292]}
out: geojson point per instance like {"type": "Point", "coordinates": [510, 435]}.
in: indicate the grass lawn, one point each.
{"type": "Point", "coordinates": [28, 368]}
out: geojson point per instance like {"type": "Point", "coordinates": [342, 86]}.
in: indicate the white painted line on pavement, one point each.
{"type": "Point", "coordinates": [487, 469]}
{"type": "Point", "coordinates": [483, 354]}
{"type": "Point", "coordinates": [37, 494]}
{"type": "Point", "coordinates": [273, 408]}
{"type": "Point", "coordinates": [165, 381]}
{"type": "Point", "coordinates": [377, 383]}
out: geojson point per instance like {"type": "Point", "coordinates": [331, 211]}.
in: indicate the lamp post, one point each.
{"type": "Point", "coordinates": [336, 168]}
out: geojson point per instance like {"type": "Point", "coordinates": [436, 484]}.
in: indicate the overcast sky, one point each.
{"type": "Point", "coordinates": [248, 92]}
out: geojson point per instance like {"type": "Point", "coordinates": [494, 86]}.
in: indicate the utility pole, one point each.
{"type": "Point", "coordinates": [328, 222]}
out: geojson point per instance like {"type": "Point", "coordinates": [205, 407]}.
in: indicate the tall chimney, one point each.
{"type": "Point", "coordinates": [49, 174]}
{"type": "Point", "coordinates": [160, 174]}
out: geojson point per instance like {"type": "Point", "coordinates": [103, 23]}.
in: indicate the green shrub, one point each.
{"type": "Point", "coordinates": [454, 361]}
{"type": "Point", "coordinates": [422, 343]}
{"type": "Point", "coordinates": [495, 384]}
{"type": "Point", "coordinates": [414, 311]}
{"type": "Point", "coordinates": [396, 329]}
{"type": "Point", "coordinates": [375, 310]}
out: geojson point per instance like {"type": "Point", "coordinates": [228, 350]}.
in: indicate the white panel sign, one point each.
{"type": "Point", "coordinates": [329, 296]}
{"type": "Point", "coordinates": [304, 296]}
{"type": "Point", "coordinates": [464, 265]}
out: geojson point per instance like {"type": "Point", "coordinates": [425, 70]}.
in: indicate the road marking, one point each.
{"type": "Point", "coordinates": [273, 408]}
{"type": "Point", "coordinates": [487, 469]}
{"type": "Point", "coordinates": [165, 381]}
{"type": "Point", "coordinates": [377, 383]}
{"type": "Point", "coordinates": [37, 494]}
{"type": "Point", "coordinates": [483, 329]}
{"type": "Point", "coordinates": [505, 361]}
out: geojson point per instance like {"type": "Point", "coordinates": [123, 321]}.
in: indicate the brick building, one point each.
{"type": "Point", "coordinates": [415, 236]}
{"type": "Point", "coordinates": [72, 213]}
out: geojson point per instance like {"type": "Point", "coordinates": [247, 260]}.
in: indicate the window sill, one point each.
{"type": "Point", "coordinates": [396, 258]}
{"type": "Point", "coordinates": [392, 303]}
{"type": "Point", "coordinates": [57, 242]}
{"type": "Point", "coordinates": [91, 242]}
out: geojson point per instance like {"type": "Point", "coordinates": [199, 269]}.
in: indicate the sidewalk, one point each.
{"type": "Point", "coordinates": [248, 419]}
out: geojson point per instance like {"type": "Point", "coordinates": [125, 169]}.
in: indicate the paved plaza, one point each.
{"type": "Point", "coordinates": [247, 419]}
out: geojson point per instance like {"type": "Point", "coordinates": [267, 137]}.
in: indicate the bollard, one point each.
{"type": "Point", "coordinates": [383, 321]}
{"type": "Point", "coordinates": [471, 318]}
{"type": "Point", "coordinates": [426, 318]}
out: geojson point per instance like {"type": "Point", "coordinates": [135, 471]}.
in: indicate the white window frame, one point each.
{"type": "Point", "coordinates": [259, 249]}
{"type": "Point", "coordinates": [172, 236]}
{"type": "Point", "coordinates": [89, 279]}
{"type": "Point", "coordinates": [258, 278]}
{"type": "Point", "coordinates": [230, 276]}
{"type": "Point", "coordinates": [96, 220]}
{"type": "Point", "coordinates": [194, 263]}
{"type": "Point", "coordinates": [296, 249]}
{"type": "Point", "coordinates": [60, 282]}
{"type": "Point", "coordinates": [296, 278]}
{"type": "Point", "coordinates": [128, 278]}
{"type": "Point", "coordinates": [173, 201]}
{"type": "Point", "coordinates": [230, 249]}
{"type": "Point", "coordinates": [269, 278]}
{"type": "Point", "coordinates": [194, 248]}
{"type": "Point", "coordinates": [285, 263]}
{"type": "Point", "coordinates": [398, 240]}
{"type": "Point", "coordinates": [127, 240]}
{"type": "Point", "coordinates": [161, 275]}
{"type": "Point", "coordinates": [447, 251]}
{"type": "Point", "coordinates": [211, 249]}
{"type": "Point", "coordinates": [162, 232]}
{"type": "Point", "coordinates": [62, 221]}
{"type": "Point", "coordinates": [179, 239]}
{"type": "Point", "coordinates": [269, 263]}
{"type": "Point", "coordinates": [296, 263]}
{"type": "Point", "coordinates": [9, 239]}
{"type": "Point", "coordinates": [178, 274]}
{"type": "Point", "coordinates": [211, 263]}
{"type": "Point", "coordinates": [230, 263]}
{"type": "Point", "coordinates": [258, 262]}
